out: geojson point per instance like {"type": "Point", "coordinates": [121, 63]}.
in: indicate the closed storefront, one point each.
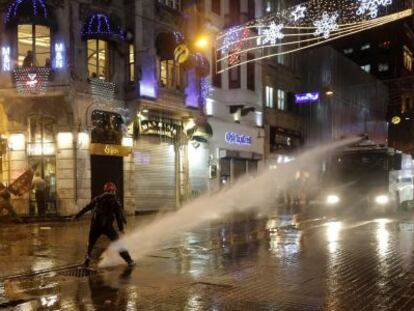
{"type": "Point", "coordinates": [154, 174]}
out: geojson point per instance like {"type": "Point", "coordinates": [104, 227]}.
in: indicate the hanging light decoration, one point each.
{"type": "Point", "coordinates": [31, 81]}
{"type": "Point", "coordinates": [100, 25]}
{"type": "Point", "coordinates": [303, 26]}
{"type": "Point", "coordinates": [37, 9]}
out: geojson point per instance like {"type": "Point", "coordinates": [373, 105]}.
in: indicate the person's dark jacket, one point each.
{"type": "Point", "coordinates": [105, 209]}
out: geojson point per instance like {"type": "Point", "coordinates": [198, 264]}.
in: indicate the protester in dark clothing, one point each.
{"type": "Point", "coordinates": [105, 209]}
{"type": "Point", "coordinates": [5, 203]}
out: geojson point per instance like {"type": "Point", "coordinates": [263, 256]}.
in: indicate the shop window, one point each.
{"type": "Point", "coordinates": [234, 75]}
{"type": "Point", "coordinates": [281, 100]}
{"type": "Point", "coordinates": [408, 59]}
{"type": "Point", "coordinates": [216, 6]}
{"type": "Point", "coordinates": [383, 67]}
{"type": "Point", "coordinates": [98, 59]}
{"type": "Point", "coordinates": [33, 46]}
{"type": "Point", "coordinates": [131, 63]}
{"type": "Point", "coordinates": [174, 4]}
{"type": "Point", "coordinates": [169, 74]}
{"type": "Point", "coordinates": [269, 97]}
{"type": "Point", "coordinates": [107, 128]}
{"type": "Point", "coordinates": [251, 72]}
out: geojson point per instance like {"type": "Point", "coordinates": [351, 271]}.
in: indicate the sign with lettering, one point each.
{"type": "Point", "coordinates": [165, 128]}
{"type": "Point", "coordinates": [110, 150]}
{"type": "Point", "coordinates": [307, 98]}
{"type": "Point", "coordinates": [233, 138]}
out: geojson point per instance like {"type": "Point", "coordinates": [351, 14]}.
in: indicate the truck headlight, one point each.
{"type": "Point", "coordinates": [332, 199]}
{"type": "Point", "coordinates": [382, 199]}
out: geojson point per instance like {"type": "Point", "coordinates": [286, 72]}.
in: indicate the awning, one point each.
{"type": "Point", "coordinates": [101, 26]}
{"type": "Point", "coordinates": [27, 11]}
{"type": "Point", "coordinates": [166, 43]}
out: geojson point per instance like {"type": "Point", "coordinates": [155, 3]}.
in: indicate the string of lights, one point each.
{"type": "Point", "coordinates": [345, 30]}
{"type": "Point", "coordinates": [301, 27]}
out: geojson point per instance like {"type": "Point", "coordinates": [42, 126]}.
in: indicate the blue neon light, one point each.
{"type": "Point", "coordinates": [233, 138]}
{"type": "Point", "coordinates": [307, 98]}
{"type": "Point", "coordinates": [100, 25]}
{"type": "Point", "coordinates": [14, 6]}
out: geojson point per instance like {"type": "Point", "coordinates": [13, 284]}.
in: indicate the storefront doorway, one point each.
{"type": "Point", "coordinates": [105, 169]}
{"type": "Point", "coordinates": [41, 154]}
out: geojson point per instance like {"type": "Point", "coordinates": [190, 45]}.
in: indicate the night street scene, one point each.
{"type": "Point", "coordinates": [218, 155]}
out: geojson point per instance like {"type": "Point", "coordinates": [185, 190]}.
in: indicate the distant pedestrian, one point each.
{"type": "Point", "coordinates": [39, 185]}
{"type": "Point", "coordinates": [5, 203]}
{"type": "Point", "coordinates": [105, 209]}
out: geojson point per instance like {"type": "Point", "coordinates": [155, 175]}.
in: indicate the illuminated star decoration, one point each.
{"type": "Point", "coordinates": [298, 13]}
{"type": "Point", "coordinates": [326, 25]}
{"type": "Point", "coordinates": [273, 33]}
{"type": "Point", "coordinates": [371, 6]}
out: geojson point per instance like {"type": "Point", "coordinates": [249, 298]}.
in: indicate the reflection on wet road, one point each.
{"type": "Point", "coordinates": [243, 264]}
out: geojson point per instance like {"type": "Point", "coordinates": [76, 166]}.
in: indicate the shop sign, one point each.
{"type": "Point", "coordinates": [159, 127]}
{"type": "Point", "coordinates": [233, 138]}
{"type": "Point", "coordinates": [307, 98]}
{"type": "Point", "coordinates": [110, 150]}
{"type": "Point", "coordinates": [181, 53]}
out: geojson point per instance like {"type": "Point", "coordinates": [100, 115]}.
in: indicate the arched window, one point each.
{"type": "Point", "coordinates": [98, 30]}
{"type": "Point", "coordinates": [31, 21]}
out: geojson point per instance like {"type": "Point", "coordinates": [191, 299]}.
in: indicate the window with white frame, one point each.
{"type": "Point", "coordinates": [269, 97]}
{"type": "Point", "coordinates": [174, 4]}
{"type": "Point", "coordinates": [383, 67]}
{"type": "Point", "coordinates": [408, 58]}
{"type": "Point", "coordinates": [281, 99]}
{"type": "Point", "coordinates": [366, 46]}
{"type": "Point", "coordinates": [366, 68]}
{"type": "Point", "coordinates": [348, 51]}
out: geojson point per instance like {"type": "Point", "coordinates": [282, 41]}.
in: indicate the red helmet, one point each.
{"type": "Point", "coordinates": [109, 187]}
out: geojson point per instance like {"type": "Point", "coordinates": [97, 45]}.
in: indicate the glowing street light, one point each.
{"type": "Point", "coordinates": [201, 42]}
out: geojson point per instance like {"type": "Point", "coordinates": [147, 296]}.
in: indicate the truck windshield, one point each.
{"type": "Point", "coordinates": [358, 167]}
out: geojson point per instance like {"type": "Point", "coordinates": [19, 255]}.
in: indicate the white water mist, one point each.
{"type": "Point", "coordinates": [247, 194]}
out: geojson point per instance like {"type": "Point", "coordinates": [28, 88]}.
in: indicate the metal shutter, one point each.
{"type": "Point", "coordinates": [155, 174]}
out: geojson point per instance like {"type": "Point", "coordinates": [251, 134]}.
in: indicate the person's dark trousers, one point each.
{"type": "Point", "coordinates": [41, 202]}
{"type": "Point", "coordinates": [95, 233]}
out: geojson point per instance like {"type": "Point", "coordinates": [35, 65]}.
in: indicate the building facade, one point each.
{"type": "Point", "coordinates": [91, 93]}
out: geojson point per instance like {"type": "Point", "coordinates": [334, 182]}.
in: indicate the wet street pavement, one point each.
{"type": "Point", "coordinates": [244, 264]}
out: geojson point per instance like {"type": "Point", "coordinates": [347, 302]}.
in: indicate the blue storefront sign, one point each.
{"type": "Point", "coordinates": [233, 138]}
{"type": "Point", "coordinates": [307, 98]}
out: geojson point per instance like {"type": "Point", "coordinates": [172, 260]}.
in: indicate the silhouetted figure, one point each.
{"type": "Point", "coordinates": [28, 60]}
{"type": "Point", "coordinates": [5, 203]}
{"type": "Point", "coordinates": [105, 209]}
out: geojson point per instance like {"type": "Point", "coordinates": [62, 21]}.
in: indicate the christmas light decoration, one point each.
{"type": "Point", "coordinates": [205, 89]}
{"type": "Point", "coordinates": [326, 24]}
{"type": "Point", "coordinates": [5, 57]}
{"type": "Point", "coordinates": [301, 27]}
{"type": "Point", "coordinates": [371, 6]}
{"type": "Point", "coordinates": [273, 33]}
{"type": "Point", "coordinates": [30, 81]}
{"type": "Point", "coordinates": [13, 9]}
{"type": "Point", "coordinates": [99, 25]}
{"type": "Point", "coordinates": [298, 13]}
{"type": "Point", "coordinates": [102, 91]}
